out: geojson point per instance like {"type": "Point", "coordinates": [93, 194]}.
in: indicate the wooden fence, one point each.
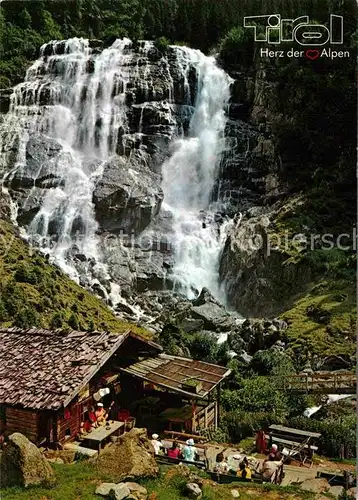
{"type": "Point", "coordinates": [324, 383]}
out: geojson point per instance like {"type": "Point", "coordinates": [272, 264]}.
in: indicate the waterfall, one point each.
{"type": "Point", "coordinates": [84, 118]}
{"type": "Point", "coordinates": [85, 107]}
{"type": "Point", "coordinates": [331, 398]}
{"type": "Point", "coordinates": [188, 180]}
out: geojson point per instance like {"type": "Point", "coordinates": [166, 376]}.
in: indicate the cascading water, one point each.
{"type": "Point", "coordinates": [75, 100]}
{"type": "Point", "coordinates": [188, 180]}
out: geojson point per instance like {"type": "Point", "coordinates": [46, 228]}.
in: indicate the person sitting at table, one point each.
{"type": "Point", "coordinates": [189, 451]}
{"type": "Point", "coordinates": [174, 451]}
{"type": "Point", "coordinates": [221, 466]}
{"type": "Point", "coordinates": [101, 414]}
{"type": "Point", "coordinates": [244, 471]}
{"type": "Point", "coordinates": [92, 416]}
{"type": "Point", "coordinates": [156, 443]}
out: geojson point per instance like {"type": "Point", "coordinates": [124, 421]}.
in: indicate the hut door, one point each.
{"type": "Point", "coordinates": [44, 426]}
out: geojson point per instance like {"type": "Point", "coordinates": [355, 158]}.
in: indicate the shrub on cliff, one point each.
{"type": "Point", "coordinates": [237, 47]}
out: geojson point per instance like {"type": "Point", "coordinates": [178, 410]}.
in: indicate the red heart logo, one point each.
{"type": "Point", "coordinates": [312, 54]}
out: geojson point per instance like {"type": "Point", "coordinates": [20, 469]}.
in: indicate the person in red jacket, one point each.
{"type": "Point", "coordinates": [174, 451]}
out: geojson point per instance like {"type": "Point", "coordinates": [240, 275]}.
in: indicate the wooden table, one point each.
{"type": "Point", "coordinates": [103, 432]}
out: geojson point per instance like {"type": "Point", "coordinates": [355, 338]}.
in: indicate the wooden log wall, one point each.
{"type": "Point", "coordinates": [207, 417]}
{"type": "Point", "coordinates": [24, 421]}
{"type": "Point", "coordinates": [72, 424]}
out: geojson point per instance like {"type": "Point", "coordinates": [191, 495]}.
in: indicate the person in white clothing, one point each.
{"type": "Point", "coordinates": [156, 443]}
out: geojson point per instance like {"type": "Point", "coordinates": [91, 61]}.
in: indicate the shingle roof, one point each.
{"type": "Point", "coordinates": [43, 369]}
{"type": "Point", "coordinates": [171, 372]}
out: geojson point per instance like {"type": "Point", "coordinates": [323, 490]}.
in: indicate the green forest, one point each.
{"type": "Point", "coordinates": [203, 24]}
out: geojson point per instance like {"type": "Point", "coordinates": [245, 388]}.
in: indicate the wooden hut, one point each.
{"type": "Point", "coordinates": [49, 380]}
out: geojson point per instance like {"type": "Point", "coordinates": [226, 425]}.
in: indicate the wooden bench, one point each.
{"type": "Point", "coordinates": [167, 460]}
{"type": "Point", "coordinates": [232, 478]}
{"type": "Point", "coordinates": [293, 443]}
{"type": "Point", "coordinates": [201, 448]}
{"type": "Point", "coordinates": [184, 436]}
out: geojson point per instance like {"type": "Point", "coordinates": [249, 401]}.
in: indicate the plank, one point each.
{"type": "Point", "coordinates": [101, 433]}
{"type": "Point", "coordinates": [290, 430]}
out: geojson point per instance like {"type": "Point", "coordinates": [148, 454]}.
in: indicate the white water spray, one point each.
{"type": "Point", "coordinates": [77, 99]}
{"type": "Point", "coordinates": [188, 179]}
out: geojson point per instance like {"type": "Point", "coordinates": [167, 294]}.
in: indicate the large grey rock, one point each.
{"type": "Point", "coordinates": [22, 464]}
{"type": "Point", "coordinates": [254, 268]}
{"type": "Point", "coordinates": [127, 197]}
{"type": "Point", "coordinates": [318, 485]}
{"type": "Point", "coordinates": [137, 491]}
{"type": "Point", "coordinates": [211, 312]}
{"type": "Point", "coordinates": [119, 492]}
{"type": "Point", "coordinates": [104, 489]}
{"type": "Point", "coordinates": [193, 491]}
{"type": "Point", "coordinates": [336, 491]}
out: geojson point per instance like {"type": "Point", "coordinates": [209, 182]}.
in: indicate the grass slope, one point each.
{"type": "Point", "coordinates": [35, 293]}
{"type": "Point", "coordinates": [322, 313]}
{"type": "Point", "coordinates": [330, 327]}
{"type": "Point", "coordinates": [79, 481]}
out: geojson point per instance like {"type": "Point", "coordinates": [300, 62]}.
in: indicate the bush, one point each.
{"type": "Point", "coordinates": [3, 312]}
{"type": "Point", "coordinates": [27, 318]}
{"type": "Point", "coordinates": [203, 347]}
{"type": "Point", "coordinates": [57, 320]}
{"type": "Point", "coordinates": [4, 82]}
{"type": "Point", "coordinates": [73, 322]}
{"type": "Point", "coordinates": [162, 44]}
{"type": "Point", "coordinates": [25, 274]}
{"type": "Point", "coordinates": [239, 425]}
{"type": "Point", "coordinates": [237, 46]}
{"type": "Point", "coordinates": [336, 434]}
{"type": "Point", "coordinates": [259, 394]}
{"type": "Point", "coordinates": [272, 362]}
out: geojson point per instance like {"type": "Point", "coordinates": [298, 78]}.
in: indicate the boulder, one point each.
{"type": "Point", "coordinates": [132, 457]}
{"type": "Point", "coordinates": [127, 196]}
{"type": "Point", "coordinates": [211, 312]}
{"type": "Point", "coordinates": [336, 491]}
{"type": "Point", "coordinates": [22, 464]}
{"type": "Point", "coordinates": [119, 492]}
{"type": "Point", "coordinates": [352, 492]}
{"type": "Point", "coordinates": [104, 489]}
{"type": "Point", "coordinates": [193, 490]}
{"type": "Point", "coordinates": [235, 493]}
{"type": "Point", "coordinates": [319, 485]}
{"type": "Point", "coordinates": [137, 491]}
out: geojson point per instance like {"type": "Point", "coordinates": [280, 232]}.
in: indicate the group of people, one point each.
{"type": "Point", "coordinates": [94, 418]}
{"type": "Point", "coordinates": [244, 471]}
{"type": "Point", "coordinates": [188, 452]}
{"type": "Point", "coordinates": [222, 467]}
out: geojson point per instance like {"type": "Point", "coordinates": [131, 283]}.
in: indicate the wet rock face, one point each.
{"type": "Point", "coordinates": [139, 104]}
{"type": "Point", "coordinates": [257, 279]}
{"type": "Point", "coordinates": [127, 197]}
